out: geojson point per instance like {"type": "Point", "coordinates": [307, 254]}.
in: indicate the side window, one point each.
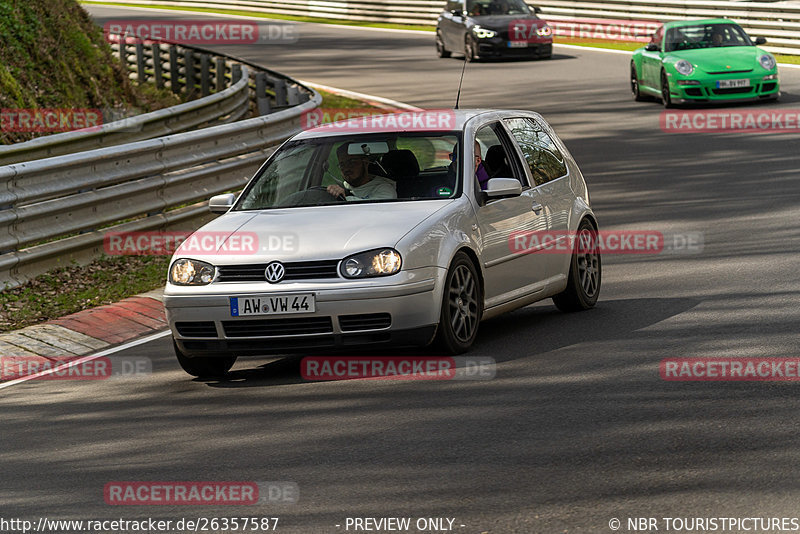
{"type": "Point", "coordinates": [496, 162]}
{"type": "Point", "coordinates": [541, 153]}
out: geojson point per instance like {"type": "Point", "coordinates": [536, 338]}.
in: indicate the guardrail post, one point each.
{"type": "Point", "coordinates": [262, 100]}
{"type": "Point", "coordinates": [236, 73]}
{"type": "Point", "coordinates": [140, 63]}
{"type": "Point", "coordinates": [174, 70]}
{"type": "Point", "coordinates": [157, 72]}
{"type": "Point", "coordinates": [205, 74]}
{"type": "Point", "coordinates": [123, 53]}
{"type": "Point", "coordinates": [188, 64]}
{"type": "Point", "coordinates": [280, 93]}
{"type": "Point", "coordinates": [293, 96]}
{"type": "Point", "coordinates": [219, 71]}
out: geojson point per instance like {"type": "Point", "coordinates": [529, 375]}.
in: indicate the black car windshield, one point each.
{"type": "Point", "coordinates": [705, 36]}
{"type": "Point", "coordinates": [497, 7]}
{"type": "Point", "coordinates": [382, 167]}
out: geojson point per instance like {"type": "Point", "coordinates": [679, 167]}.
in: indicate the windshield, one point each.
{"type": "Point", "coordinates": [497, 7]}
{"type": "Point", "coordinates": [372, 168]}
{"type": "Point", "coordinates": [705, 36]}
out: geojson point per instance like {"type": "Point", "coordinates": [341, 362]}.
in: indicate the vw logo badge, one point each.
{"type": "Point", "coordinates": [275, 272]}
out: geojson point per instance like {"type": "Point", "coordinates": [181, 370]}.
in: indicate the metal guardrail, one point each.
{"type": "Point", "coordinates": [779, 23]}
{"type": "Point", "coordinates": [58, 209]}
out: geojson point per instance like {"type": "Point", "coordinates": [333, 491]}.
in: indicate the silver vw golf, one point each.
{"type": "Point", "coordinates": [403, 229]}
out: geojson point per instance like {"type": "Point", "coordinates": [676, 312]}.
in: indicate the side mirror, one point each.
{"type": "Point", "coordinates": [652, 47]}
{"type": "Point", "coordinates": [761, 40]}
{"type": "Point", "coordinates": [537, 9]}
{"type": "Point", "coordinates": [221, 203]}
{"type": "Point", "coordinates": [503, 187]}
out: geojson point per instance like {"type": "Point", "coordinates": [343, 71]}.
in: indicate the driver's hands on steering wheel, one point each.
{"type": "Point", "coordinates": [336, 191]}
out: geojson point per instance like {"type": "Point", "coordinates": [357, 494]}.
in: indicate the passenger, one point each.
{"type": "Point", "coordinates": [360, 183]}
{"type": "Point", "coordinates": [480, 171]}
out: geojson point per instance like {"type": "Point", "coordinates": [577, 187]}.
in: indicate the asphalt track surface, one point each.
{"type": "Point", "coordinates": [577, 428]}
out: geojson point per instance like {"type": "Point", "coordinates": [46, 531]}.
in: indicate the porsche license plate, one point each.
{"type": "Point", "coordinates": [732, 84]}
{"type": "Point", "coordinates": [273, 305]}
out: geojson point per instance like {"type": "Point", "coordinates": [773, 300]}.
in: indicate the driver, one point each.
{"type": "Point", "coordinates": [718, 36]}
{"type": "Point", "coordinates": [360, 183]}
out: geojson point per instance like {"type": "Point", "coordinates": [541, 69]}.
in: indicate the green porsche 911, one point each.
{"type": "Point", "coordinates": [704, 61]}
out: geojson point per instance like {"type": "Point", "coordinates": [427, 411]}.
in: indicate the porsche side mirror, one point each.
{"type": "Point", "coordinates": [652, 47]}
{"type": "Point", "coordinates": [761, 40]}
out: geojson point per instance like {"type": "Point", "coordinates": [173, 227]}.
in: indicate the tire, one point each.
{"type": "Point", "coordinates": [585, 273]}
{"type": "Point", "coordinates": [470, 53]}
{"type": "Point", "coordinates": [462, 306]}
{"type": "Point", "coordinates": [204, 367]}
{"type": "Point", "coordinates": [441, 51]}
{"type": "Point", "coordinates": [666, 98]}
{"type": "Point", "coordinates": [635, 89]}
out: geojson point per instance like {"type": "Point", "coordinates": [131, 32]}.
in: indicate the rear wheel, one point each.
{"type": "Point", "coordinates": [470, 49]}
{"type": "Point", "coordinates": [585, 273]}
{"type": "Point", "coordinates": [441, 51]}
{"type": "Point", "coordinates": [204, 367]}
{"type": "Point", "coordinates": [462, 306]}
{"type": "Point", "coordinates": [637, 94]}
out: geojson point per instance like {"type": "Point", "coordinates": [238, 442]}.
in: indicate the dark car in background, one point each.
{"type": "Point", "coordinates": [481, 29]}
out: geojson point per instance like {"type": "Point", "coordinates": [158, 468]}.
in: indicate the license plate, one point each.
{"type": "Point", "coordinates": [732, 84]}
{"type": "Point", "coordinates": [518, 44]}
{"type": "Point", "coordinates": [273, 305]}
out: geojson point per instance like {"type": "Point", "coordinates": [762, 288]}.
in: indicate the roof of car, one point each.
{"type": "Point", "coordinates": [430, 120]}
{"type": "Point", "coordinates": [681, 23]}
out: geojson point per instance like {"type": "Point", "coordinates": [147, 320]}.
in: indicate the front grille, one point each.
{"type": "Point", "coordinates": [694, 91]}
{"type": "Point", "coordinates": [732, 71]}
{"type": "Point", "coordinates": [733, 91]}
{"type": "Point", "coordinates": [301, 270]}
{"type": "Point", "coordinates": [769, 86]}
{"type": "Point", "coordinates": [368, 321]}
{"type": "Point", "coordinates": [278, 327]}
{"type": "Point", "coordinates": [196, 329]}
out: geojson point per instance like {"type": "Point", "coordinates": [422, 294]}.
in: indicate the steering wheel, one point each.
{"type": "Point", "coordinates": [311, 196]}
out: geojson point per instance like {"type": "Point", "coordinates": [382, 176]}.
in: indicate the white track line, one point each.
{"type": "Point", "coordinates": [362, 96]}
{"type": "Point", "coordinates": [84, 359]}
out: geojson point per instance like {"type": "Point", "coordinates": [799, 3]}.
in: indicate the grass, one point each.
{"type": "Point", "coordinates": [106, 280]}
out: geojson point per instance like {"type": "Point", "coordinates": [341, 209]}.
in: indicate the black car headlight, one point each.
{"type": "Point", "coordinates": [483, 33]}
{"type": "Point", "coordinates": [382, 262]}
{"type": "Point", "coordinates": [185, 272]}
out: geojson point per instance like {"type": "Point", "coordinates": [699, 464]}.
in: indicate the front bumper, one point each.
{"type": "Point", "coordinates": [499, 47]}
{"type": "Point", "coordinates": [706, 90]}
{"type": "Point", "coordinates": [388, 311]}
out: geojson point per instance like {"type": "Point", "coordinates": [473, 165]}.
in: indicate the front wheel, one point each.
{"type": "Point", "coordinates": [470, 50]}
{"type": "Point", "coordinates": [462, 306]}
{"type": "Point", "coordinates": [204, 366]}
{"type": "Point", "coordinates": [585, 273]}
{"type": "Point", "coordinates": [666, 96]}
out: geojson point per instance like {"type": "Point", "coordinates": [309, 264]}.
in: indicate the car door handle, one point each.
{"type": "Point", "coordinates": [537, 208]}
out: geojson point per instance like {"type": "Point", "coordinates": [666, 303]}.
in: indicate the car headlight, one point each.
{"type": "Point", "coordinates": [382, 262]}
{"type": "Point", "coordinates": [684, 67]}
{"type": "Point", "coordinates": [767, 61]}
{"type": "Point", "coordinates": [186, 272]}
{"type": "Point", "coordinates": [544, 31]}
{"type": "Point", "coordinates": [483, 33]}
